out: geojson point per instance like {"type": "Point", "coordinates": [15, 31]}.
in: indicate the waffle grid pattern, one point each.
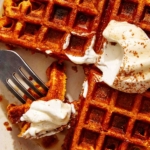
{"type": "Point", "coordinates": [133, 11]}
{"type": "Point", "coordinates": [47, 25]}
{"type": "Point", "coordinates": [112, 120]}
{"type": "Point", "coordinates": [67, 26]}
{"type": "Point", "coordinates": [109, 119]}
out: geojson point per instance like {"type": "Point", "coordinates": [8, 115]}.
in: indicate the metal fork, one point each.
{"type": "Point", "coordinates": [10, 65]}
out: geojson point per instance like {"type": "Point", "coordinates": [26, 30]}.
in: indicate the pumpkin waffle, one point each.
{"type": "Point", "coordinates": [110, 119]}
{"type": "Point", "coordinates": [57, 89]}
{"type": "Point", "coordinates": [54, 27]}
{"type": "Point", "coordinates": [70, 27]}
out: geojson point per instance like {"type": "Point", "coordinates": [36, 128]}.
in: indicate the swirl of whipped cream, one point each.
{"type": "Point", "coordinates": [125, 61]}
{"type": "Point", "coordinates": [45, 117]}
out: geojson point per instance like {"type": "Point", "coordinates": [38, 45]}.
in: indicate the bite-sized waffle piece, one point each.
{"type": "Point", "coordinates": [57, 89]}
{"type": "Point", "coordinates": [67, 28]}
{"type": "Point", "coordinates": [110, 119]}
{"type": "Point", "coordinates": [14, 112]}
{"type": "Point", "coordinates": [55, 74]}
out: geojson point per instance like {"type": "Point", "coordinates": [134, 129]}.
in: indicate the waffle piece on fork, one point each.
{"type": "Point", "coordinates": [57, 89]}
{"type": "Point", "coordinates": [109, 119]}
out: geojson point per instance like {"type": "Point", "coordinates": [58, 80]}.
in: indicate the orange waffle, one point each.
{"type": "Point", "coordinates": [47, 25]}
{"type": "Point", "coordinates": [110, 120]}
{"type": "Point", "coordinates": [59, 27]}
{"type": "Point", "coordinates": [57, 90]}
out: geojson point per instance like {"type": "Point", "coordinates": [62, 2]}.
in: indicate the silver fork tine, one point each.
{"type": "Point", "coordinates": [34, 76]}
{"type": "Point", "coordinates": [11, 63]}
{"type": "Point", "coordinates": [24, 65]}
{"type": "Point", "coordinates": [15, 93]}
{"type": "Point", "coordinates": [21, 87]}
{"type": "Point", "coordinates": [30, 84]}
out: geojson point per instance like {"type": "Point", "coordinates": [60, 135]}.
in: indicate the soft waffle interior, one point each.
{"type": "Point", "coordinates": [110, 119]}
{"type": "Point", "coordinates": [48, 24]}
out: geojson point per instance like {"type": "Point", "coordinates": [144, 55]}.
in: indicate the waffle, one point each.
{"type": "Point", "coordinates": [109, 119]}
{"type": "Point", "coordinates": [61, 28]}
{"type": "Point", "coordinates": [57, 90]}
{"type": "Point", "coordinates": [49, 26]}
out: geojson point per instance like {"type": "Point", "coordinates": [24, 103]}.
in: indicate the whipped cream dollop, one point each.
{"type": "Point", "coordinates": [90, 57]}
{"type": "Point", "coordinates": [125, 61]}
{"type": "Point", "coordinates": [46, 117]}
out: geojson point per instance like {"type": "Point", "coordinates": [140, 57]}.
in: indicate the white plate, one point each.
{"type": "Point", "coordinates": [39, 63]}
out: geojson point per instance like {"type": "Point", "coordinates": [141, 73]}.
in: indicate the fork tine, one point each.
{"type": "Point", "coordinates": [35, 77]}
{"type": "Point", "coordinates": [19, 62]}
{"type": "Point", "coordinates": [21, 87]}
{"type": "Point", "coordinates": [29, 83]}
{"type": "Point", "coordinates": [15, 93]}
{"type": "Point", "coordinates": [14, 64]}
